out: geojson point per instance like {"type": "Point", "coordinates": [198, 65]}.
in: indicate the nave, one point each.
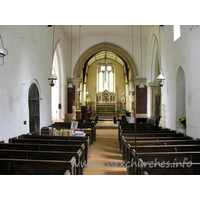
{"type": "Point", "coordinates": [101, 148]}
{"type": "Point", "coordinates": [104, 154]}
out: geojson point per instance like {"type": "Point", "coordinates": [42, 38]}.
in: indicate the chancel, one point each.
{"type": "Point", "coordinates": [115, 94]}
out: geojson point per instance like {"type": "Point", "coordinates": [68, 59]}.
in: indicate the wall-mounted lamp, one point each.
{"type": "Point", "coordinates": [141, 86]}
{"type": "Point", "coordinates": [3, 51]}
{"type": "Point", "coordinates": [132, 91]}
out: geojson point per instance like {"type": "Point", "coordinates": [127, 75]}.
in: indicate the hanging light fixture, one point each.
{"type": "Point", "coordinates": [87, 93]}
{"type": "Point", "coordinates": [52, 78]}
{"type": "Point", "coordinates": [141, 84]}
{"type": "Point", "coordinates": [161, 77]}
{"type": "Point", "coordinates": [79, 91]}
{"type": "Point", "coordinates": [2, 51]}
{"type": "Point", "coordinates": [132, 91]}
{"type": "Point", "coordinates": [70, 86]}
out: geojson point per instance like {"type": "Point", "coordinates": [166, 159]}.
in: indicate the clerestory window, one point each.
{"type": "Point", "coordinates": [177, 32]}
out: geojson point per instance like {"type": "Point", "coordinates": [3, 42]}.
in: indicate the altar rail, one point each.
{"type": "Point", "coordinates": [106, 113]}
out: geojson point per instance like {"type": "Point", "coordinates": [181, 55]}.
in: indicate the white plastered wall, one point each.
{"type": "Point", "coordinates": [29, 60]}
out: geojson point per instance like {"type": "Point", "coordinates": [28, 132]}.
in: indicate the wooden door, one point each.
{"type": "Point", "coordinates": [157, 109]}
{"type": "Point", "coordinates": [34, 110]}
{"type": "Point", "coordinates": [70, 99]}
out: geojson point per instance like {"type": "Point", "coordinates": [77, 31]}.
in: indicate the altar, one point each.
{"type": "Point", "coordinates": [106, 108]}
{"type": "Point", "coordinates": [106, 101]}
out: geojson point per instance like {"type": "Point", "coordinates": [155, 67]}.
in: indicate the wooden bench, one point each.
{"type": "Point", "coordinates": [9, 166]}
{"type": "Point", "coordinates": [169, 169]}
{"type": "Point", "coordinates": [52, 141]}
{"type": "Point", "coordinates": [131, 126]}
{"type": "Point", "coordinates": [160, 158]}
{"type": "Point", "coordinates": [126, 139]}
{"type": "Point", "coordinates": [47, 147]}
{"type": "Point", "coordinates": [161, 149]}
{"type": "Point", "coordinates": [150, 135]}
{"type": "Point", "coordinates": [44, 155]}
{"type": "Point", "coordinates": [147, 135]}
{"type": "Point", "coordinates": [85, 139]}
{"type": "Point", "coordinates": [131, 145]}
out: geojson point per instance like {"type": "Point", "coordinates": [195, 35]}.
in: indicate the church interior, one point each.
{"type": "Point", "coordinates": [120, 83]}
{"type": "Point", "coordinates": [96, 100]}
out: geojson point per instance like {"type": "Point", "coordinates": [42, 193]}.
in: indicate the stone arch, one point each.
{"type": "Point", "coordinates": [104, 46]}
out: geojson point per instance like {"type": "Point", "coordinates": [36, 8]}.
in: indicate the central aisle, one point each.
{"type": "Point", "coordinates": [104, 156]}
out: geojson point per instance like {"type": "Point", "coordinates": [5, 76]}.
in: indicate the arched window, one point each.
{"type": "Point", "coordinates": [106, 78]}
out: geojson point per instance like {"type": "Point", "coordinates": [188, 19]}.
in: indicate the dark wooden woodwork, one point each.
{"type": "Point", "coordinates": [70, 99]}
{"type": "Point", "coordinates": [51, 141]}
{"type": "Point", "coordinates": [10, 166]}
{"type": "Point", "coordinates": [34, 110]}
{"type": "Point", "coordinates": [46, 147]}
{"type": "Point", "coordinates": [141, 100]}
{"type": "Point", "coordinates": [44, 155]}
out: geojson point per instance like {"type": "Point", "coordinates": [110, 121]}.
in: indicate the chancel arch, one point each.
{"type": "Point", "coordinates": [105, 46]}
{"type": "Point", "coordinates": [127, 71]}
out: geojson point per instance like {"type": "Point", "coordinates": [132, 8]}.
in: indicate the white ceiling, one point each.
{"type": "Point", "coordinates": [105, 30]}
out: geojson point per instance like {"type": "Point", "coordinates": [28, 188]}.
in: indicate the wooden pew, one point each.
{"type": "Point", "coordinates": [85, 139]}
{"type": "Point", "coordinates": [160, 149]}
{"type": "Point", "coordinates": [9, 166]}
{"type": "Point", "coordinates": [126, 139]}
{"type": "Point", "coordinates": [130, 127]}
{"type": "Point", "coordinates": [47, 147]}
{"type": "Point", "coordinates": [131, 145]}
{"type": "Point", "coordinates": [51, 141]}
{"type": "Point", "coordinates": [150, 135]}
{"type": "Point", "coordinates": [44, 155]}
{"type": "Point", "coordinates": [169, 169]}
{"type": "Point", "coordinates": [147, 135]}
{"type": "Point", "coordinates": [163, 158]}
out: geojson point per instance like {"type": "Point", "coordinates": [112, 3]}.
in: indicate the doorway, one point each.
{"type": "Point", "coordinates": [34, 110]}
